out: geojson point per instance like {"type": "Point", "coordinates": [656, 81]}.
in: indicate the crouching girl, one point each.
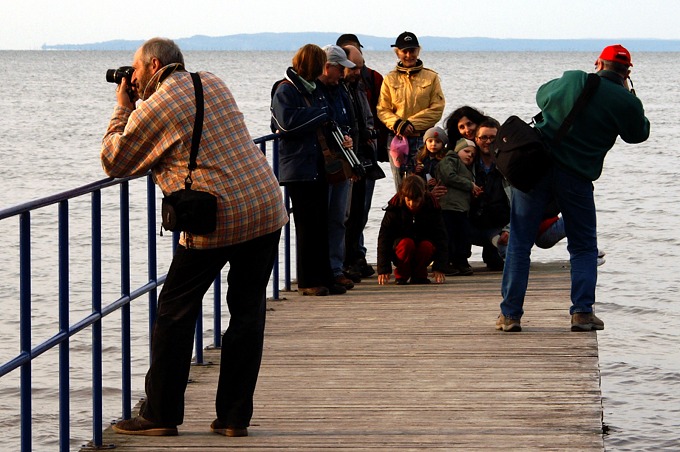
{"type": "Point", "coordinates": [412, 235]}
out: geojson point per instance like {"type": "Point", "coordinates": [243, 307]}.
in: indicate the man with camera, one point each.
{"type": "Point", "coordinates": [613, 111]}
{"type": "Point", "coordinates": [156, 135]}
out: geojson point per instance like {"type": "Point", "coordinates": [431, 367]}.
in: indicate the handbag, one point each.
{"type": "Point", "coordinates": [522, 156]}
{"type": "Point", "coordinates": [336, 167]}
{"type": "Point", "coordinates": [190, 210]}
{"type": "Point", "coordinates": [399, 150]}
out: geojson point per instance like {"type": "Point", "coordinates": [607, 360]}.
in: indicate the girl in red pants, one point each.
{"type": "Point", "coordinates": [412, 235]}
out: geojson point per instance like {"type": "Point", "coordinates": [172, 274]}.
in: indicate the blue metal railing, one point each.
{"type": "Point", "coordinates": [93, 320]}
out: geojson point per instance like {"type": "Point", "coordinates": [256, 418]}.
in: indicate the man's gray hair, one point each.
{"type": "Point", "coordinates": [164, 49]}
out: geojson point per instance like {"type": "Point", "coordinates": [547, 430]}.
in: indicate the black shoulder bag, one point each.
{"type": "Point", "coordinates": [191, 210]}
{"type": "Point", "coordinates": [522, 157]}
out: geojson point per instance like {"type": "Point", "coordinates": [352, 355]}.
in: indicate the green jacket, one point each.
{"type": "Point", "coordinates": [613, 111]}
{"type": "Point", "coordinates": [457, 177]}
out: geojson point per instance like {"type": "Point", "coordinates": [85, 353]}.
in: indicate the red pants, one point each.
{"type": "Point", "coordinates": [411, 259]}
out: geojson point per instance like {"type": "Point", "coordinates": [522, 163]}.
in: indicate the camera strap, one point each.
{"type": "Point", "coordinates": [592, 82]}
{"type": "Point", "coordinates": [198, 128]}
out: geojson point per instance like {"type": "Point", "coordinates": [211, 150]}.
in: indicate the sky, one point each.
{"type": "Point", "coordinates": [28, 24]}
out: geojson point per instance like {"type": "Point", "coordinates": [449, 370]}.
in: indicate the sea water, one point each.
{"type": "Point", "coordinates": [57, 106]}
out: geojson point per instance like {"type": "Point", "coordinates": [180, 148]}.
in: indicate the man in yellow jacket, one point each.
{"type": "Point", "coordinates": [411, 100]}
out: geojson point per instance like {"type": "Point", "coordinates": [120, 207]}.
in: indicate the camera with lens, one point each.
{"type": "Point", "coordinates": [117, 75]}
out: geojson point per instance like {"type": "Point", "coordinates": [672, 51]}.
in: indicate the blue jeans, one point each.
{"type": "Point", "coordinates": [482, 237]}
{"type": "Point", "coordinates": [575, 197]}
{"type": "Point", "coordinates": [552, 235]}
{"type": "Point", "coordinates": [338, 205]}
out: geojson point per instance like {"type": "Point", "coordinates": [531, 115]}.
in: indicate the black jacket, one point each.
{"type": "Point", "coordinates": [399, 223]}
{"type": "Point", "coordinates": [492, 208]}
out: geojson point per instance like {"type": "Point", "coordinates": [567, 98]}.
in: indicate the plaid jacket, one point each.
{"type": "Point", "coordinates": [156, 136]}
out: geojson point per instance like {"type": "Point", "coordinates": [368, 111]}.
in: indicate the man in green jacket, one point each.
{"type": "Point", "coordinates": [613, 111]}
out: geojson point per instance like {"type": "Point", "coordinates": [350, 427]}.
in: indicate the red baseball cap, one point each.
{"type": "Point", "coordinates": [617, 53]}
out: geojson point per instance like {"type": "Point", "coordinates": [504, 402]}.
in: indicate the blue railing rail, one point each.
{"type": "Point", "coordinates": [93, 320]}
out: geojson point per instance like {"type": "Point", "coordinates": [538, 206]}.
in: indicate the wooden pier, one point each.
{"type": "Point", "coordinates": [411, 368]}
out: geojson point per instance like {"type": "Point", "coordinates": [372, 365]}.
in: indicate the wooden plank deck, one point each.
{"type": "Point", "coordinates": [411, 368]}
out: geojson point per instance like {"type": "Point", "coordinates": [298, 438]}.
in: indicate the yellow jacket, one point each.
{"type": "Point", "coordinates": [411, 96]}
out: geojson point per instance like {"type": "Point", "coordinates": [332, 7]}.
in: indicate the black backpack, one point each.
{"type": "Point", "coordinates": [522, 157]}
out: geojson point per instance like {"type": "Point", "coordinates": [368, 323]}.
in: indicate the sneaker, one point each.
{"type": "Point", "coordinates": [352, 275]}
{"type": "Point", "coordinates": [313, 291]}
{"type": "Point", "coordinates": [140, 426]}
{"type": "Point", "coordinates": [451, 270]}
{"type": "Point", "coordinates": [401, 281]}
{"type": "Point", "coordinates": [342, 280]}
{"type": "Point", "coordinates": [336, 289]}
{"type": "Point", "coordinates": [362, 268]}
{"type": "Point", "coordinates": [420, 281]}
{"type": "Point", "coordinates": [366, 269]}
{"type": "Point", "coordinates": [508, 325]}
{"type": "Point", "coordinates": [221, 428]}
{"type": "Point", "coordinates": [465, 270]}
{"type": "Point", "coordinates": [585, 321]}
{"type": "Point", "coordinates": [495, 266]}
{"type": "Point", "coordinates": [600, 257]}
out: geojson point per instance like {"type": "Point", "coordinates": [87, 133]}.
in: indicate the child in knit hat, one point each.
{"type": "Point", "coordinates": [430, 154]}
{"type": "Point", "coordinates": [454, 171]}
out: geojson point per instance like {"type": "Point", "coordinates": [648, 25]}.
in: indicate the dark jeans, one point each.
{"type": "Point", "coordinates": [191, 273]}
{"type": "Point", "coordinates": [310, 213]}
{"type": "Point", "coordinates": [355, 223]}
{"type": "Point", "coordinates": [458, 230]}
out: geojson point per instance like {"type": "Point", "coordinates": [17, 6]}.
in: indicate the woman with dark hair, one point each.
{"type": "Point", "coordinates": [462, 123]}
{"type": "Point", "coordinates": [299, 109]}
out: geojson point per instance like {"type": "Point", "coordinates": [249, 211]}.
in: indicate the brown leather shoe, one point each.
{"type": "Point", "coordinates": [313, 291]}
{"type": "Point", "coordinates": [586, 321]}
{"type": "Point", "coordinates": [508, 325]}
{"type": "Point", "coordinates": [220, 428]}
{"type": "Point", "coordinates": [344, 281]}
{"type": "Point", "coordinates": [140, 426]}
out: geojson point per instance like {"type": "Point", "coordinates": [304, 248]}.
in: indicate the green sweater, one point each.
{"type": "Point", "coordinates": [613, 111]}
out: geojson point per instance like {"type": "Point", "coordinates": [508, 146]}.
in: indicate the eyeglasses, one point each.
{"type": "Point", "coordinates": [489, 138]}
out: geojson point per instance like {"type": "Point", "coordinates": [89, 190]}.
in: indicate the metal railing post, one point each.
{"type": "Point", "coordinates": [64, 301]}
{"type": "Point", "coordinates": [97, 393]}
{"type": "Point", "coordinates": [125, 292]}
{"type": "Point", "coordinates": [151, 251]}
{"type": "Point", "coordinates": [25, 329]}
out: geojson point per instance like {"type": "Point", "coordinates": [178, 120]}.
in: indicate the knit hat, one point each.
{"type": "Point", "coordinates": [462, 144]}
{"type": "Point", "coordinates": [437, 132]}
{"type": "Point", "coordinates": [616, 53]}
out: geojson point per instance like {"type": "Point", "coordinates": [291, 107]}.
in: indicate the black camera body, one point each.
{"type": "Point", "coordinates": [117, 75]}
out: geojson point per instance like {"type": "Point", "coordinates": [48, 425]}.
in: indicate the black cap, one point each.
{"type": "Point", "coordinates": [347, 38]}
{"type": "Point", "coordinates": [406, 40]}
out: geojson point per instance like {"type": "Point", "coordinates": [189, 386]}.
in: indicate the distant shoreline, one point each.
{"type": "Point", "coordinates": [293, 41]}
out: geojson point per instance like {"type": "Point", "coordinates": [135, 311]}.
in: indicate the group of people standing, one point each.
{"type": "Point", "coordinates": [328, 93]}
{"type": "Point", "coordinates": [331, 89]}
{"type": "Point", "coordinates": [449, 195]}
